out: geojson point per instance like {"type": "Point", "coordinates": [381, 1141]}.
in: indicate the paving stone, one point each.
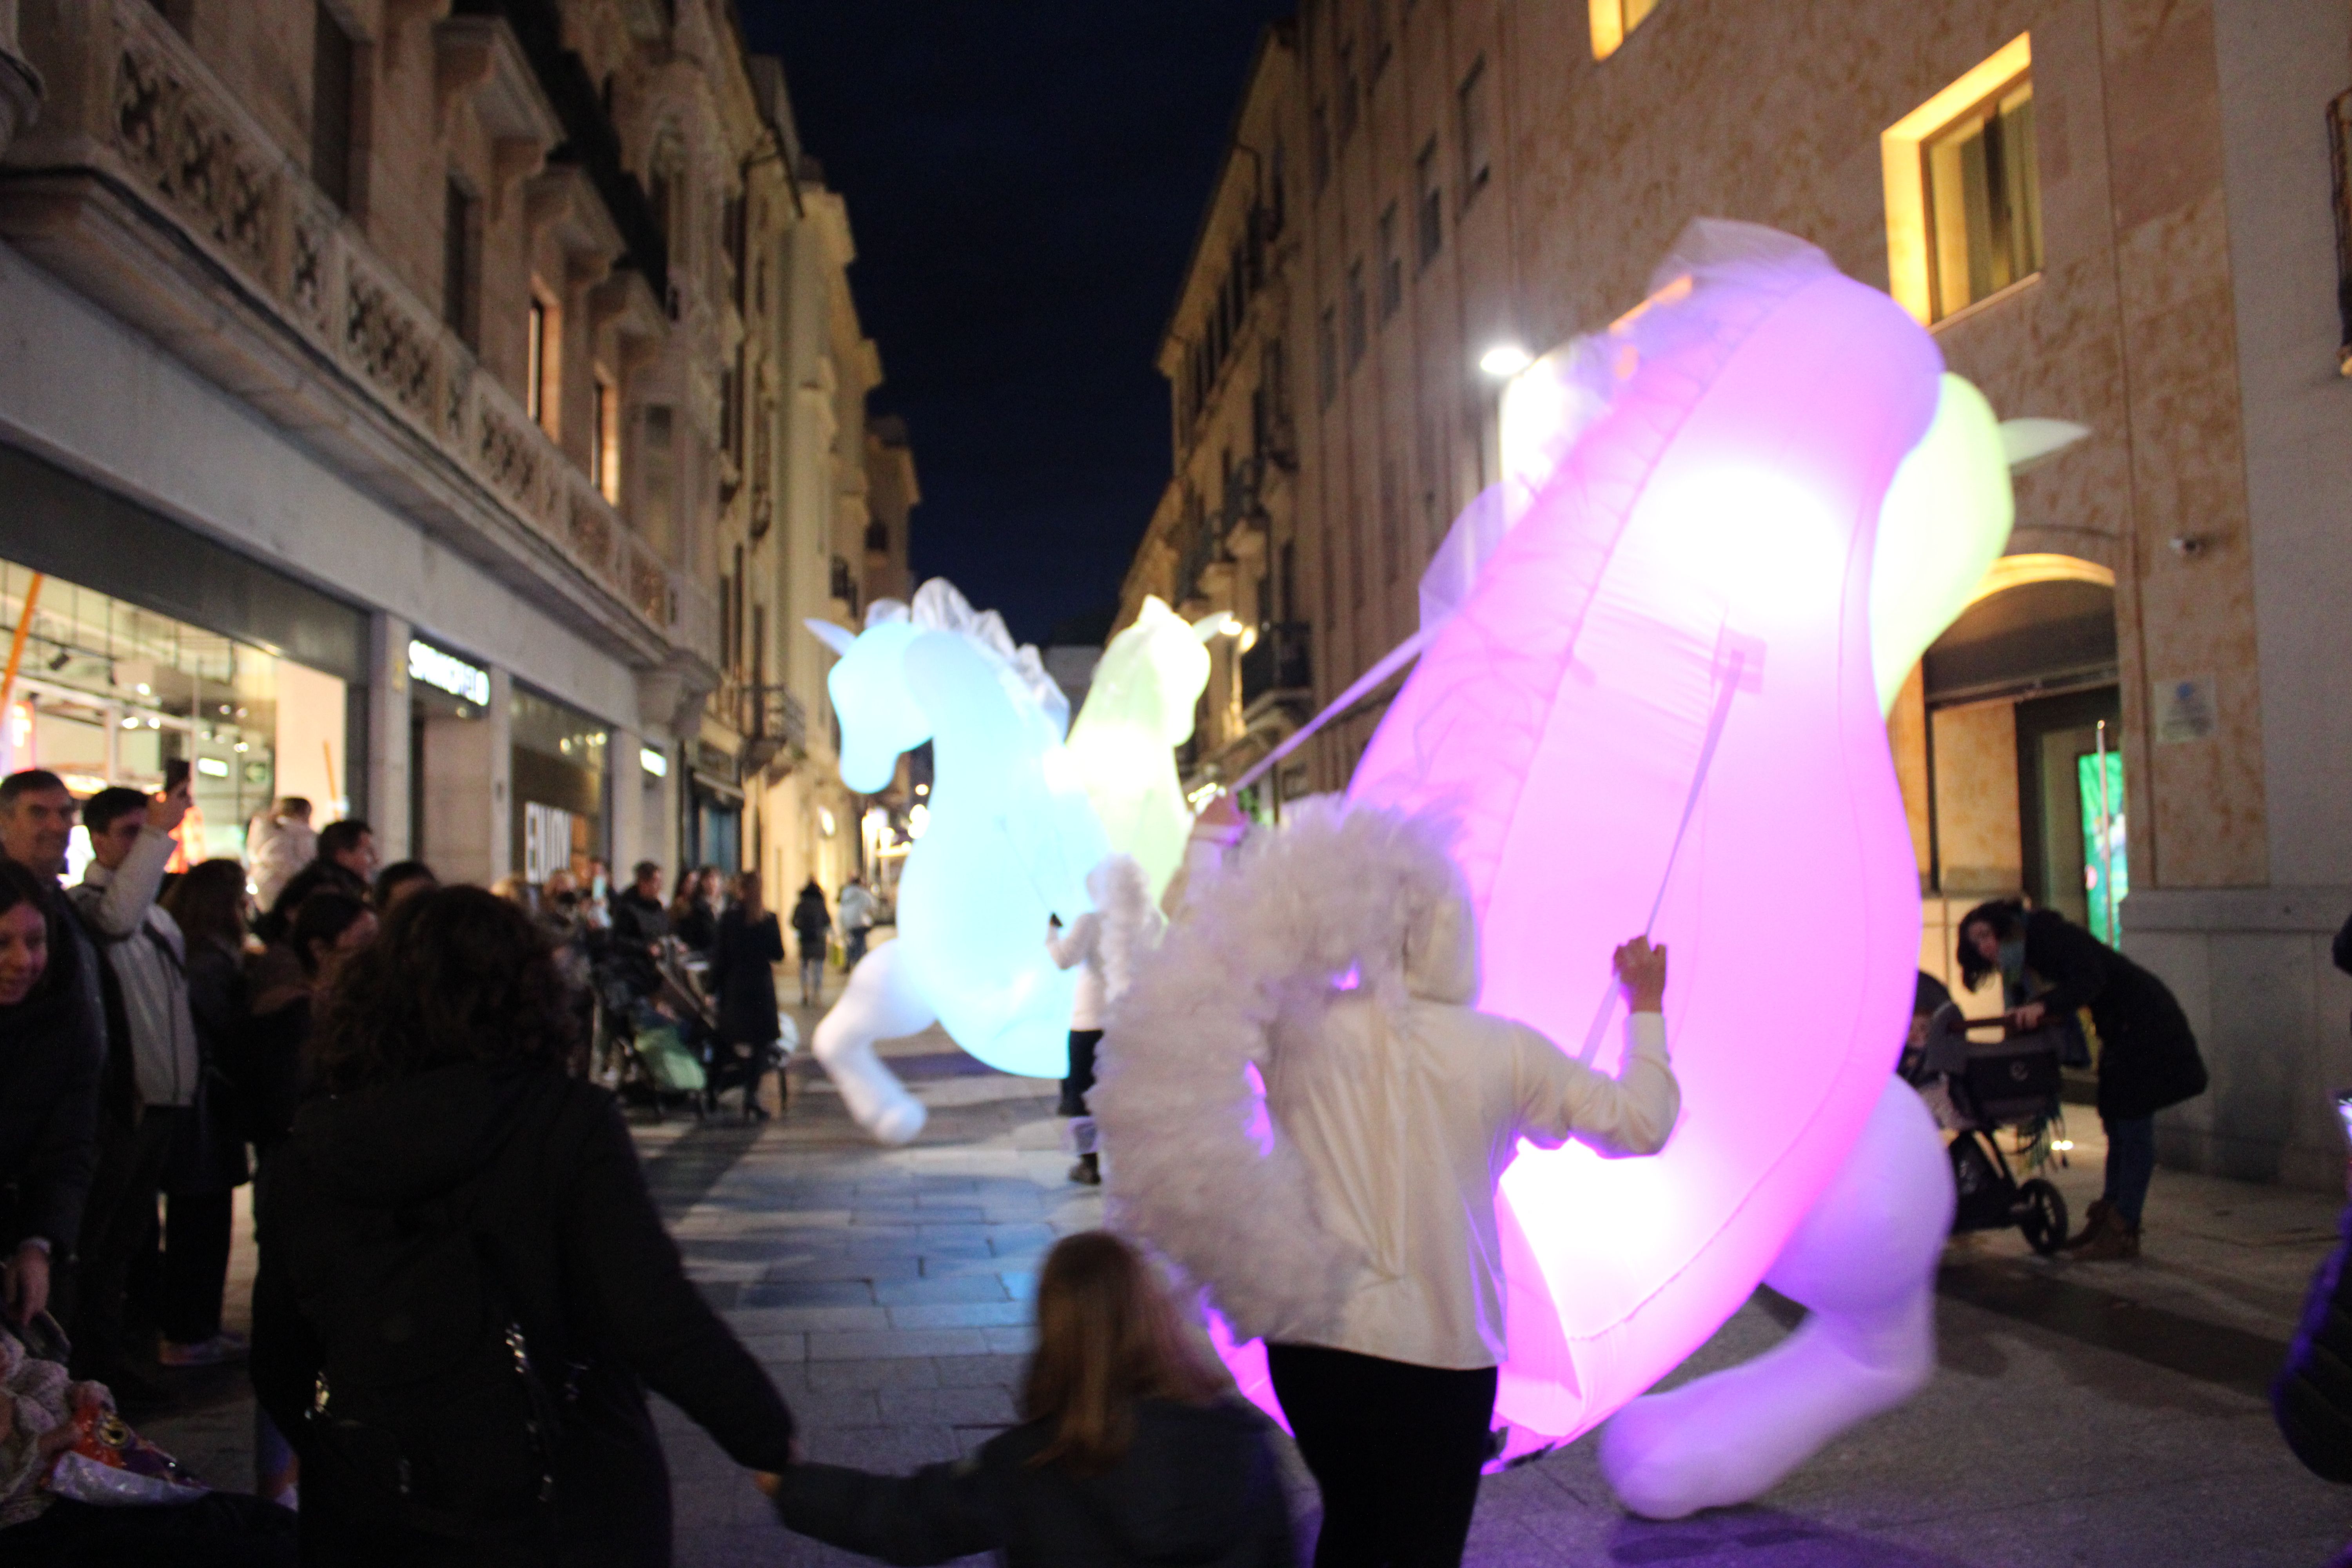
{"type": "Point", "coordinates": [900, 1343]}
{"type": "Point", "coordinates": [962, 1315]}
{"type": "Point", "coordinates": [937, 1292]}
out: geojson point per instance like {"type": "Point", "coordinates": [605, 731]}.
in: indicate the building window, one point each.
{"type": "Point", "coordinates": [604, 452]}
{"type": "Point", "coordinates": [1477, 163]}
{"type": "Point", "coordinates": [538, 362]}
{"type": "Point", "coordinates": [1613, 20]}
{"type": "Point", "coordinates": [1392, 265]}
{"type": "Point", "coordinates": [330, 107]}
{"type": "Point", "coordinates": [1963, 189]}
{"type": "Point", "coordinates": [460, 269]}
{"type": "Point", "coordinates": [735, 623]}
{"type": "Point", "coordinates": [1357, 334]}
{"type": "Point", "coordinates": [1429, 203]}
{"type": "Point", "coordinates": [1984, 202]}
{"type": "Point", "coordinates": [1327, 355]}
{"type": "Point", "coordinates": [1277, 183]}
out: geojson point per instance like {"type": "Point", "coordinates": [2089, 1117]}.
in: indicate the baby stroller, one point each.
{"type": "Point", "coordinates": [651, 1027]}
{"type": "Point", "coordinates": [1991, 1084]}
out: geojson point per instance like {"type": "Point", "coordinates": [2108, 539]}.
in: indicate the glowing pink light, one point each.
{"type": "Point", "coordinates": [1704, 547]}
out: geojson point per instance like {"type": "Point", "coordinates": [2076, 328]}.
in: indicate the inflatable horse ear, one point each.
{"type": "Point", "coordinates": [838, 638]}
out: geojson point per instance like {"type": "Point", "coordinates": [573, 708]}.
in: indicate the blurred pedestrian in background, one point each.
{"type": "Point", "coordinates": [748, 946]}
{"type": "Point", "coordinates": [399, 880]}
{"type": "Point", "coordinates": [859, 909]}
{"type": "Point", "coordinates": [278, 842]}
{"type": "Point", "coordinates": [207, 1161]}
{"type": "Point", "coordinates": [812, 925]}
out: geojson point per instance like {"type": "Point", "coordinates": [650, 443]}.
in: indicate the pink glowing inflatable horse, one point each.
{"type": "Point", "coordinates": [1658, 710]}
{"type": "Point", "coordinates": [1654, 669]}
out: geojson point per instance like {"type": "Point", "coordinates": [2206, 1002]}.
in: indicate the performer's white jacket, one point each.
{"type": "Point", "coordinates": [1407, 1119]}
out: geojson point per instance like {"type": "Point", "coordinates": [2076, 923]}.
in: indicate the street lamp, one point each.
{"type": "Point", "coordinates": [1504, 361]}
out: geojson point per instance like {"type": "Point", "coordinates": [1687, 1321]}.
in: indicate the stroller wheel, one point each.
{"type": "Point", "coordinates": [2041, 1215]}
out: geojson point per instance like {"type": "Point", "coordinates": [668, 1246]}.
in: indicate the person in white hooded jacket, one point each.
{"type": "Point", "coordinates": [1406, 1120]}
{"type": "Point", "coordinates": [1348, 1218]}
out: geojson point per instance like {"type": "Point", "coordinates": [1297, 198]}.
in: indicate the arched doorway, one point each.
{"type": "Point", "coordinates": [2023, 766]}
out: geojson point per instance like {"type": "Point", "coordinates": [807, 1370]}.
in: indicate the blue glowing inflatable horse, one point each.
{"type": "Point", "coordinates": [1009, 840]}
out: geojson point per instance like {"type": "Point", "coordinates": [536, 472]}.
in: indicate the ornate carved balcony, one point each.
{"type": "Point", "coordinates": [149, 188]}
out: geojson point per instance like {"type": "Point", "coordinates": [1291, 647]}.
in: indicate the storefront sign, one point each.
{"type": "Point", "coordinates": [447, 672]}
{"type": "Point", "coordinates": [653, 762]}
{"type": "Point", "coordinates": [546, 841]}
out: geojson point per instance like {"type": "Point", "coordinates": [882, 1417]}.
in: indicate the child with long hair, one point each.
{"type": "Point", "coordinates": [1125, 1454]}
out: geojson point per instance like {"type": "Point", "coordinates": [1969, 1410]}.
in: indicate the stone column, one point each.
{"type": "Point", "coordinates": [630, 840]}
{"type": "Point", "coordinates": [388, 786]}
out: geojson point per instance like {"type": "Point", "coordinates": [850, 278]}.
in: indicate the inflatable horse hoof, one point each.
{"type": "Point", "coordinates": [899, 1122]}
{"type": "Point", "coordinates": [1863, 1263]}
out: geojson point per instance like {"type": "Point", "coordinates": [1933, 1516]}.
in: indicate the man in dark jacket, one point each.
{"type": "Point", "coordinates": [639, 916]}
{"type": "Point", "coordinates": [2147, 1053]}
{"type": "Point", "coordinates": [54, 1047]}
{"type": "Point", "coordinates": [346, 864]}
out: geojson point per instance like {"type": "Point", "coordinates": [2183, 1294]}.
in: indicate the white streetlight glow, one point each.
{"type": "Point", "coordinates": [1504, 361]}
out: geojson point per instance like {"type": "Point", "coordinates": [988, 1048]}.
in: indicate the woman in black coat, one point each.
{"type": "Point", "coordinates": [464, 1288]}
{"type": "Point", "coordinates": [812, 924]}
{"type": "Point", "coordinates": [49, 1088]}
{"type": "Point", "coordinates": [2148, 1054]}
{"type": "Point", "coordinates": [743, 955]}
{"type": "Point", "coordinates": [207, 1163]}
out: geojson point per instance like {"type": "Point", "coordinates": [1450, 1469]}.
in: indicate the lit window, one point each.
{"type": "Point", "coordinates": [1477, 161]}
{"type": "Point", "coordinates": [1613, 20]}
{"type": "Point", "coordinates": [1984, 202]}
{"type": "Point", "coordinates": [604, 455]}
{"type": "Point", "coordinates": [1963, 190]}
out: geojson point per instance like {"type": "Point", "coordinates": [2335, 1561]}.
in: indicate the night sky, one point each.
{"type": "Point", "coordinates": [1024, 179]}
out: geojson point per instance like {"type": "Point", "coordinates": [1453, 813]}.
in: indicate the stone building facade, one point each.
{"type": "Point", "coordinates": [401, 411]}
{"type": "Point", "coordinates": [2115, 213]}
{"type": "Point", "coordinates": [1223, 539]}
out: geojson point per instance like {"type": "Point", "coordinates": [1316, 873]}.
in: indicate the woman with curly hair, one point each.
{"type": "Point", "coordinates": [465, 1288]}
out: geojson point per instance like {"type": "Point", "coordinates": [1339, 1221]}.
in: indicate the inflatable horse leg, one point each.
{"type": "Point", "coordinates": [1862, 1262]}
{"type": "Point", "coordinates": [878, 1005]}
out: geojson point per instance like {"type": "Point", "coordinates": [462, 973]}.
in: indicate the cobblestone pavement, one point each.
{"type": "Point", "coordinates": [2084, 1414]}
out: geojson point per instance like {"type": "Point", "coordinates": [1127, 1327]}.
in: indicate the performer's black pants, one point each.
{"type": "Point", "coordinates": [1396, 1449]}
{"type": "Point", "coordinates": [1076, 1087]}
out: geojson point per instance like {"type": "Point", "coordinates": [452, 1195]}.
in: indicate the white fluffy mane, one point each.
{"type": "Point", "coordinates": [937, 606]}
{"type": "Point", "coordinates": [1198, 1169]}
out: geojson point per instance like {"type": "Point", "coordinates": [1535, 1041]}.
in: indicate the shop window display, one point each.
{"type": "Point", "coordinates": [559, 787]}
{"type": "Point", "coordinates": [109, 693]}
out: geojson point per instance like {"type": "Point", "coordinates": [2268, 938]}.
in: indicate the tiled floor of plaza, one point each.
{"type": "Point", "coordinates": [2084, 1414]}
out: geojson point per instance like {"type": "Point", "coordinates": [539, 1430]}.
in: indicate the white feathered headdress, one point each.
{"type": "Point", "coordinates": [939, 607]}
{"type": "Point", "coordinates": [1198, 1168]}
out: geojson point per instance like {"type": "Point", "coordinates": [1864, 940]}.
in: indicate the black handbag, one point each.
{"type": "Point", "coordinates": [2014, 1079]}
